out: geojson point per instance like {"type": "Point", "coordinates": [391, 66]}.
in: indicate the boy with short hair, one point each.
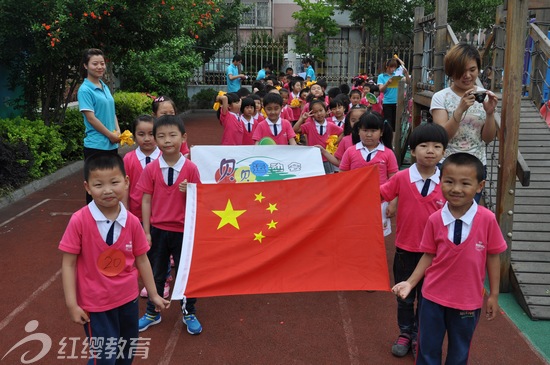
{"type": "Point", "coordinates": [164, 185]}
{"type": "Point", "coordinates": [104, 247]}
{"type": "Point", "coordinates": [280, 130]}
{"type": "Point", "coordinates": [419, 193]}
{"type": "Point", "coordinates": [460, 242]}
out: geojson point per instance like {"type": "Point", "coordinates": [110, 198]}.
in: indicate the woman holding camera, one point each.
{"type": "Point", "coordinates": [466, 111]}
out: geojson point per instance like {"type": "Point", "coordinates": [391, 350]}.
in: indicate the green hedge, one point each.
{"type": "Point", "coordinates": [129, 106]}
{"type": "Point", "coordinates": [45, 143]}
{"type": "Point", "coordinates": [72, 130]}
{"type": "Point", "coordinates": [204, 99]}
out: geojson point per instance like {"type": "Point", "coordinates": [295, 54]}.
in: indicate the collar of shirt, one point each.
{"type": "Point", "coordinates": [141, 156]}
{"type": "Point", "coordinates": [415, 176]}
{"type": "Point", "coordinates": [245, 121]}
{"type": "Point", "coordinates": [359, 146]}
{"type": "Point", "coordinates": [318, 126]}
{"type": "Point", "coordinates": [270, 123]}
{"type": "Point", "coordinates": [336, 121]}
{"type": "Point", "coordinates": [100, 217]}
{"type": "Point", "coordinates": [467, 218]}
{"type": "Point", "coordinates": [235, 114]}
{"type": "Point", "coordinates": [177, 166]}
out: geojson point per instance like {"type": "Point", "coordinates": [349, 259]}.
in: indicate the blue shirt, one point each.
{"type": "Point", "coordinates": [100, 101]}
{"type": "Point", "coordinates": [233, 85]}
{"type": "Point", "coordinates": [261, 75]}
{"type": "Point", "coordinates": [310, 73]}
{"type": "Point", "coordinates": [390, 94]}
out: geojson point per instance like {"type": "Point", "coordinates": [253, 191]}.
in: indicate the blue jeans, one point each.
{"type": "Point", "coordinates": [164, 244]}
{"type": "Point", "coordinates": [404, 263]}
{"type": "Point", "coordinates": [435, 321]}
{"type": "Point", "coordinates": [108, 330]}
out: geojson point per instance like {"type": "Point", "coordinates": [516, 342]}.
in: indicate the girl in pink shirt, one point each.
{"type": "Point", "coordinates": [248, 107]}
{"type": "Point", "coordinates": [373, 146]}
{"type": "Point", "coordinates": [229, 118]}
{"type": "Point", "coordinates": [163, 105]}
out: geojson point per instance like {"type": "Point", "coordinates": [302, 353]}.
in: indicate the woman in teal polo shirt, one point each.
{"type": "Point", "coordinates": [97, 106]}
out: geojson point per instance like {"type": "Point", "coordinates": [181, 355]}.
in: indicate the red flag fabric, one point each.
{"type": "Point", "coordinates": [311, 234]}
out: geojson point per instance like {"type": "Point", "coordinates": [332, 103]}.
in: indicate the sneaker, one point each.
{"type": "Point", "coordinates": [193, 325]}
{"type": "Point", "coordinates": [143, 293]}
{"type": "Point", "coordinates": [402, 345]}
{"type": "Point", "coordinates": [166, 293]}
{"type": "Point", "coordinates": [414, 348]}
{"type": "Point", "coordinates": [147, 321]}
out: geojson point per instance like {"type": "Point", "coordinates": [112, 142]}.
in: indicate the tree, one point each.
{"type": "Point", "coordinates": [314, 27]}
{"type": "Point", "coordinates": [42, 41]}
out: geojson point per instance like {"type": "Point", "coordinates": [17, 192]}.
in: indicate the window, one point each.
{"type": "Point", "coordinates": [258, 15]}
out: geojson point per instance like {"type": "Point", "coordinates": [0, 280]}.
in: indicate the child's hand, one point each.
{"type": "Point", "coordinates": [402, 289]}
{"type": "Point", "coordinates": [391, 209]}
{"type": "Point", "coordinates": [78, 315]}
{"type": "Point", "coordinates": [159, 302]}
{"type": "Point", "coordinates": [492, 307]}
{"type": "Point", "coordinates": [149, 239]}
{"type": "Point", "coordinates": [183, 186]}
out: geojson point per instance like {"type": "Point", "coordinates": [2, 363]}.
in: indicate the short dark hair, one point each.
{"type": "Point", "coordinates": [86, 55]}
{"type": "Point", "coordinates": [339, 100]}
{"type": "Point", "coordinates": [428, 132]}
{"type": "Point", "coordinates": [465, 159]}
{"type": "Point", "coordinates": [103, 161]}
{"type": "Point", "coordinates": [457, 58]}
{"type": "Point", "coordinates": [333, 92]}
{"type": "Point", "coordinates": [146, 118]}
{"type": "Point", "coordinates": [247, 102]}
{"type": "Point", "coordinates": [273, 98]}
{"type": "Point", "coordinates": [237, 58]}
{"type": "Point", "coordinates": [243, 91]}
{"type": "Point", "coordinates": [167, 120]}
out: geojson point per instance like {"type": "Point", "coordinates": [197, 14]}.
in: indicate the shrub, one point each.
{"type": "Point", "coordinates": [72, 132]}
{"type": "Point", "coordinates": [45, 143]}
{"type": "Point", "coordinates": [15, 163]}
{"type": "Point", "coordinates": [130, 105]}
{"type": "Point", "coordinates": [204, 99]}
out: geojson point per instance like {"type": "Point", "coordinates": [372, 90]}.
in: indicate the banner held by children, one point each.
{"type": "Point", "coordinates": [235, 164]}
{"type": "Point", "coordinates": [319, 233]}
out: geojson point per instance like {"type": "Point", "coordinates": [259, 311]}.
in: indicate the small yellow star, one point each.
{"type": "Point", "coordinates": [259, 236]}
{"type": "Point", "coordinates": [272, 207]}
{"type": "Point", "coordinates": [259, 197]}
{"type": "Point", "coordinates": [272, 224]}
{"type": "Point", "coordinates": [229, 215]}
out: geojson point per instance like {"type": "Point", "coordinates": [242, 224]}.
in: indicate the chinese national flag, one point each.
{"type": "Point", "coordinates": [311, 234]}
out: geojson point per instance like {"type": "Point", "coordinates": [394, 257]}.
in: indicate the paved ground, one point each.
{"type": "Point", "coordinates": [313, 328]}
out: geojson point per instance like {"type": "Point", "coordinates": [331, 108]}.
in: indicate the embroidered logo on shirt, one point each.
{"type": "Point", "coordinates": [129, 246]}
{"type": "Point", "coordinates": [440, 203]}
{"type": "Point", "coordinates": [480, 246]}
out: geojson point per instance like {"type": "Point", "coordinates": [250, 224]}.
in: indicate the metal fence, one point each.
{"type": "Point", "coordinates": [344, 60]}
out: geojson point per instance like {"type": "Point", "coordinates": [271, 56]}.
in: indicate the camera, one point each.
{"type": "Point", "coordinates": [480, 96]}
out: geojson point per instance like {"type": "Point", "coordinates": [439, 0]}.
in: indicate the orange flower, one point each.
{"type": "Point", "coordinates": [85, 14]}
{"type": "Point", "coordinates": [93, 15]}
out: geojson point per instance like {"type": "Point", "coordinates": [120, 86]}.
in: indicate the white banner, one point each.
{"type": "Point", "coordinates": [236, 164]}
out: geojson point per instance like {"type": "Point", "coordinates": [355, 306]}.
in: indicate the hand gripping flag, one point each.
{"type": "Point", "coordinates": [319, 233]}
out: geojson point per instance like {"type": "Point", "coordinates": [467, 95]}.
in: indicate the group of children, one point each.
{"type": "Point", "coordinates": [443, 240]}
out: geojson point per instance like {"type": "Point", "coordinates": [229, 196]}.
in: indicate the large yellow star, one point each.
{"type": "Point", "coordinates": [272, 224]}
{"type": "Point", "coordinates": [259, 197]}
{"type": "Point", "coordinates": [272, 207]}
{"type": "Point", "coordinates": [259, 236]}
{"type": "Point", "coordinates": [229, 215]}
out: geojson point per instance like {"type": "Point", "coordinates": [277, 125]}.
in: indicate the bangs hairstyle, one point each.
{"type": "Point", "coordinates": [347, 123]}
{"type": "Point", "coordinates": [458, 57]}
{"type": "Point", "coordinates": [339, 101]}
{"type": "Point", "coordinates": [273, 98]}
{"type": "Point", "coordinates": [355, 91]}
{"type": "Point", "coordinates": [145, 118]}
{"type": "Point", "coordinates": [317, 101]}
{"type": "Point", "coordinates": [373, 120]}
{"type": "Point", "coordinates": [392, 62]}
{"type": "Point", "coordinates": [428, 132]}
{"type": "Point", "coordinates": [465, 159]}
{"type": "Point", "coordinates": [247, 102]}
{"type": "Point", "coordinates": [162, 99]}
{"type": "Point", "coordinates": [232, 98]}
{"type": "Point", "coordinates": [294, 81]}
{"type": "Point", "coordinates": [167, 120]}
{"type": "Point", "coordinates": [284, 91]}
{"type": "Point", "coordinates": [103, 161]}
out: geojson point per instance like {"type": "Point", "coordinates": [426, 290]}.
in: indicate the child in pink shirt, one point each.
{"type": "Point", "coordinates": [318, 130]}
{"type": "Point", "coordinates": [229, 118]}
{"type": "Point", "coordinates": [419, 194]}
{"type": "Point", "coordinates": [164, 185]}
{"type": "Point", "coordinates": [104, 251]}
{"type": "Point", "coordinates": [461, 242]}
{"type": "Point", "coordinates": [286, 112]}
{"type": "Point", "coordinates": [248, 107]}
{"type": "Point", "coordinates": [373, 146]}
{"type": "Point", "coordinates": [274, 127]}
